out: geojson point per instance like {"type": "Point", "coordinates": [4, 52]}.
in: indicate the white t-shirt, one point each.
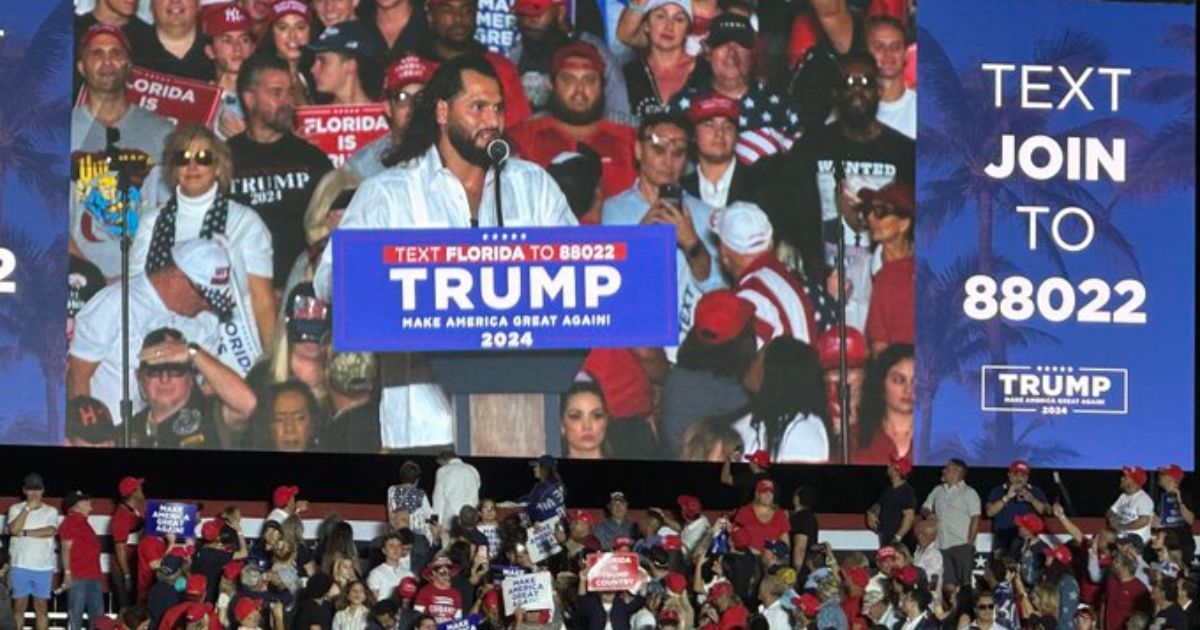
{"type": "Point", "coordinates": [804, 439]}
{"type": "Point", "coordinates": [383, 579]}
{"type": "Point", "coordinates": [33, 554]}
{"type": "Point", "coordinates": [901, 114]}
{"type": "Point", "coordinates": [98, 331]}
{"type": "Point", "coordinates": [1131, 507]}
{"type": "Point", "coordinates": [694, 532]}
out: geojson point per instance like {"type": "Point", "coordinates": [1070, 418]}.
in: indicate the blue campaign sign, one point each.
{"type": "Point", "coordinates": [163, 517]}
{"type": "Point", "coordinates": [505, 289]}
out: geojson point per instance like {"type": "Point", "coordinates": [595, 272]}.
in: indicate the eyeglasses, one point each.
{"type": "Point", "coordinates": [173, 370]}
{"type": "Point", "coordinates": [859, 81]}
{"type": "Point", "coordinates": [203, 157]}
{"type": "Point", "coordinates": [985, 606]}
{"type": "Point", "coordinates": [880, 211]}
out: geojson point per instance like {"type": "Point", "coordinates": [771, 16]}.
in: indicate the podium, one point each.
{"type": "Point", "coordinates": [506, 403]}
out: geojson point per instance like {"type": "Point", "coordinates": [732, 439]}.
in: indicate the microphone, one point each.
{"type": "Point", "coordinates": [499, 150]}
{"type": "Point", "coordinates": [112, 136]}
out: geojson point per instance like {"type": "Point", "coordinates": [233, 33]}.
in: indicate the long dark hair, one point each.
{"type": "Point", "coordinates": [577, 388]}
{"type": "Point", "coordinates": [265, 413]}
{"type": "Point", "coordinates": [446, 83]}
{"type": "Point", "coordinates": [792, 385]}
{"type": "Point", "coordinates": [872, 408]}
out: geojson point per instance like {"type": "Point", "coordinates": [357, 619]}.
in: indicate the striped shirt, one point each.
{"type": "Point", "coordinates": [781, 307]}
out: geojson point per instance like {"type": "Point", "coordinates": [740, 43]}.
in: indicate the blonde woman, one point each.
{"type": "Point", "coordinates": [324, 213]}
{"type": "Point", "coordinates": [198, 167]}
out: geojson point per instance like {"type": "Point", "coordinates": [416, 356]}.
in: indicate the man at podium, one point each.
{"type": "Point", "coordinates": [445, 179]}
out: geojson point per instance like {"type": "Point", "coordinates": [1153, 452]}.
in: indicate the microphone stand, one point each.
{"type": "Point", "coordinates": [114, 156]}
{"type": "Point", "coordinates": [839, 177]}
{"type": "Point", "coordinates": [498, 167]}
{"type": "Point", "coordinates": [498, 151]}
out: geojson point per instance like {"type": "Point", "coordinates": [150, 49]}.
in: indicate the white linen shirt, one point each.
{"type": "Point", "coordinates": [456, 484]}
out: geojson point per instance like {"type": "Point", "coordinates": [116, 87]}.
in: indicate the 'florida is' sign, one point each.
{"type": "Point", "coordinates": [505, 289]}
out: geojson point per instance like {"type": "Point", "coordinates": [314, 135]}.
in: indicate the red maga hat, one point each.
{"type": "Point", "coordinates": [129, 485]}
{"type": "Point", "coordinates": [721, 316]}
{"type": "Point", "coordinates": [1173, 471]}
{"type": "Point", "coordinates": [408, 70]}
{"type": "Point", "coordinates": [903, 465]}
{"type": "Point", "coordinates": [284, 494]}
{"type": "Point", "coordinates": [225, 18]}
{"type": "Point", "coordinates": [760, 458]}
{"type": "Point", "coordinates": [210, 531]}
{"type": "Point", "coordinates": [97, 30]}
{"type": "Point", "coordinates": [245, 607]}
{"type": "Point", "coordinates": [1136, 473]}
{"type": "Point", "coordinates": [829, 348]}
{"type": "Point", "coordinates": [713, 105]}
{"type": "Point", "coordinates": [1061, 553]}
{"type": "Point", "coordinates": [1031, 522]}
{"type": "Point", "coordinates": [577, 55]}
{"type": "Point", "coordinates": [1019, 466]}
{"type": "Point", "coordinates": [899, 194]}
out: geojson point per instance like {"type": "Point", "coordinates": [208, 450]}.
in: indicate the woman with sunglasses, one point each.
{"type": "Point", "coordinates": [198, 167]}
{"type": "Point", "coordinates": [985, 614]}
{"type": "Point", "coordinates": [438, 597]}
{"type": "Point", "coordinates": [891, 220]}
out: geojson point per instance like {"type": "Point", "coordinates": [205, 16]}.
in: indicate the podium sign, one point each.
{"type": "Point", "coordinates": [505, 289]}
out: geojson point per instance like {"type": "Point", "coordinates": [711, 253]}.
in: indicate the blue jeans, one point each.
{"type": "Point", "coordinates": [84, 595]}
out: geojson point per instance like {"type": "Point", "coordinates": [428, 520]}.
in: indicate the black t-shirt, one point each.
{"type": "Point", "coordinates": [892, 503]}
{"type": "Point", "coordinates": [277, 180]}
{"type": "Point", "coordinates": [84, 280]}
{"type": "Point", "coordinates": [413, 36]}
{"type": "Point", "coordinates": [210, 562]}
{"type": "Point", "coordinates": [159, 599]}
{"type": "Point", "coordinates": [355, 430]}
{"type": "Point", "coordinates": [816, 74]}
{"type": "Point", "coordinates": [310, 613]}
{"type": "Point", "coordinates": [803, 522]}
{"type": "Point", "coordinates": [193, 426]}
{"type": "Point", "coordinates": [644, 98]}
{"type": "Point", "coordinates": [1172, 617]}
{"type": "Point", "coordinates": [149, 53]}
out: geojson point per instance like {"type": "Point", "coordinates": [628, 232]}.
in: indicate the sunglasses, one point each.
{"type": "Point", "coordinates": [985, 606]}
{"type": "Point", "coordinates": [881, 211]}
{"type": "Point", "coordinates": [859, 81]}
{"type": "Point", "coordinates": [173, 370]}
{"type": "Point", "coordinates": [203, 157]}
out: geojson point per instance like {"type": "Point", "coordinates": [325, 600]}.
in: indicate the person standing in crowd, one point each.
{"type": "Point", "coordinates": [32, 526]}
{"type": "Point", "coordinates": [178, 413]}
{"type": "Point", "coordinates": [354, 426]}
{"type": "Point", "coordinates": [198, 168]}
{"type": "Point", "coordinates": [719, 179]}
{"type": "Point", "coordinates": [442, 180]}
{"type": "Point", "coordinates": [787, 404]}
{"type": "Point", "coordinates": [1058, 572]}
{"type": "Point", "coordinates": [407, 495]}
{"type": "Point", "coordinates": [231, 42]}
{"type": "Point", "coordinates": [1175, 511]}
{"type": "Point", "coordinates": [188, 295]}
{"type": "Point", "coordinates": [615, 524]}
{"type": "Point", "coordinates": [781, 306]}
{"type": "Point", "coordinates": [127, 521]}
{"type": "Point", "coordinates": [97, 213]}
{"type": "Point", "coordinates": [274, 171]}
{"type": "Point", "coordinates": [452, 26]}
{"type": "Point", "coordinates": [893, 515]}
{"type": "Point", "coordinates": [1133, 511]}
{"type": "Point", "coordinates": [344, 65]}
{"type": "Point", "coordinates": [545, 27]}
{"type": "Point", "coordinates": [1006, 502]}
{"type": "Point", "coordinates": [661, 152]}
{"type": "Point", "coordinates": [548, 497]}
{"type": "Point", "coordinates": [885, 427]}
{"type": "Point", "coordinates": [315, 608]}
{"type": "Point", "coordinates": [176, 43]}
{"type": "Point", "coordinates": [870, 154]}
{"type": "Point", "coordinates": [956, 505]}
{"type": "Point", "coordinates": [804, 528]}
{"type": "Point", "coordinates": [761, 521]}
{"type": "Point", "coordinates": [985, 613]}
{"type": "Point", "coordinates": [575, 117]}
{"type": "Point", "coordinates": [121, 14]}
{"type": "Point", "coordinates": [891, 315]}
{"type": "Point", "coordinates": [456, 485]}
{"type": "Point", "coordinates": [402, 25]}
{"type": "Point", "coordinates": [291, 31]}
{"type": "Point", "coordinates": [665, 66]}
{"type": "Point", "coordinates": [1124, 594]}
{"type": "Point", "coordinates": [583, 422]}
{"type": "Point", "coordinates": [767, 123]}
{"type": "Point", "coordinates": [403, 80]}
{"type": "Point", "coordinates": [927, 556]}
{"type": "Point", "coordinates": [885, 38]}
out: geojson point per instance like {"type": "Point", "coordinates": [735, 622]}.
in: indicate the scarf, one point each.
{"type": "Point", "coordinates": [163, 239]}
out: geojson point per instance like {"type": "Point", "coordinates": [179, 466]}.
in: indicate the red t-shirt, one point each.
{"type": "Point", "coordinates": [891, 317]}
{"type": "Point", "coordinates": [126, 521]}
{"type": "Point", "coordinates": [878, 452]}
{"type": "Point", "coordinates": [1123, 599]}
{"type": "Point", "coordinates": [734, 617]}
{"type": "Point", "coordinates": [758, 532]}
{"type": "Point", "coordinates": [516, 105]}
{"type": "Point", "coordinates": [540, 140]}
{"type": "Point", "coordinates": [627, 389]}
{"type": "Point", "coordinates": [444, 604]}
{"type": "Point", "coordinates": [150, 549]}
{"type": "Point", "coordinates": [85, 546]}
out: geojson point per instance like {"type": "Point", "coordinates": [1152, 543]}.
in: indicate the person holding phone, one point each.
{"type": "Point", "coordinates": [1008, 501]}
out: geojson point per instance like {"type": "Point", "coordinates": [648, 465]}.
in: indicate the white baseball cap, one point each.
{"type": "Point", "coordinates": [206, 264]}
{"type": "Point", "coordinates": [686, 5]}
{"type": "Point", "coordinates": [743, 227]}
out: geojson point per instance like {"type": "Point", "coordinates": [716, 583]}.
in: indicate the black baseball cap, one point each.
{"type": "Point", "coordinates": [73, 497]}
{"type": "Point", "coordinates": [33, 481]}
{"type": "Point", "coordinates": [348, 37]}
{"type": "Point", "coordinates": [89, 420]}
{"type": "Point", "coordinates": [730, 27]}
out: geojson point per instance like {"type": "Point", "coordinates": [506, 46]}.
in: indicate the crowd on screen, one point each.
{"type": "Point", "coordinates": [445, 562]}
{"type": "Point", "coordinates": [762, 132]}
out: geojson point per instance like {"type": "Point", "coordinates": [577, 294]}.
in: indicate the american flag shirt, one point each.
{"type": "Point", "coordinates": [769, 124]}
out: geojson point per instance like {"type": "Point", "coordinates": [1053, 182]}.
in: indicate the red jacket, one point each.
{"type": "Point", "coordinates": [516, 106]}
{"type": "Point", "coordinates": [540, 140]}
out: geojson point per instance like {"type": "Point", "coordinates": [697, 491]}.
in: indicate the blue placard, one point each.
{"type": "Point", "coordinates": [469, 622]}
{"type": "Point", "coordinates": [505, 289]}
{"type": "Point", "coordinates": [164, 517]}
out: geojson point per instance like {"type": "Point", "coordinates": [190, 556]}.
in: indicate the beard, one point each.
{"type": "Point", "coordinates": [463, 141]}
{"type": "Point", "coordinates": [282, 120]}
{"type": "Point", "coordinates": [857, 113]}
{"type": "Point", "coordinates": [559, 110]}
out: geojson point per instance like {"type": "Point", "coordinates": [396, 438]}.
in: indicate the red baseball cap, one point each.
{"type": "Point", "coordinates": [289, 7]}
{"type": "Point", "coordinates": [760, 458]}
{"type": "Point", "coordinates": [97, 30]}
{"type": "Point", "coordinates": [1019, 466]}
{"type": "Point", "coordinates": [1031, 522]}
{"type": "Point", "coordinates": [885, 553]}
{"type": "Point", "coordinates": [245, 607]}
{"type": "Point", "coordinates": [721, 316]}
{"type": "Point", "coordinates": [671, 543]}
{"type": "Point", "coordinates": [689, 505]}
{"type": "Point", "coordinates": [713, 105]}
{"type": "Point", "coordinates": [534, 8]}
{"type": "Point", "coordinates": [899, 194]}
{"type": "Point", "coordinates": [284, 494]}
{"type": "Point", "coordinates": [407, 70]}
{"type": "Point", "coordinates": [225, 18]}
{"type": "Point", "coordinates": [622, 541]}
{"type": "Point", "coordinates": [858, 576]}
{"type": "Point", "coordinates": [577, 55]}
{"type": "Point", "coordinates": [764, 485]}
{"type": "Point", "coordinates": [583, 515]}
{"type": "Point", "coordinates": [197, 611]}
{"type": "Point", "coordinates": [807, 603]}
{"type": "Point", "coordinates": [1136, 473]}
{"type": "Point", "coordinates": [720, 589]}
{"type": "Point", "coordinates": [903, 465]}
{"type": "Point", "coordinates": [232, 570]}
{"type": "Point", "coordinates": [675, 582]}
{"type": "Point", "coordinates": [491, 599]}
{"type": "Point", "coordinates": [129, 485]}
{"type": "Point", "coordinates": [197, 586]}
{"type": "Point", "coordinates": [1173, 471]}
{"type": "Point", "coordinates": [408, 587]}
{"type": "Point", "coordinates": [906, 575]}
{"type": "Point", "coordinates": [829, 348]}
{"type": "Point", "coordinates": [182, 552]}
{"type": "Point", "coordinates": [1061, 553]}
{"type": "Point", "coordinates": [668, 616]}
{"type": "Point", "coordinates": [211, 530]}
